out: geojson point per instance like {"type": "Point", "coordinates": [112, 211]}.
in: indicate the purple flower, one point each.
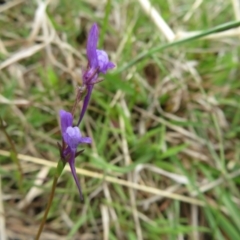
{"type": "Point", "coordinates": [72, 137]}
{"type": "Point", "coordinates": [98, 62]}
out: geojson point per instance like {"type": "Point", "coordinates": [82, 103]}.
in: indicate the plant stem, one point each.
{"type": "Point", "coordinates": [47, 208]}
{"type": "Point", "coordinates": [78, 98]}
{"type": "Point", "coordinates": [13, 154]}
{"type": "Point", "coordinates": [149, 52]}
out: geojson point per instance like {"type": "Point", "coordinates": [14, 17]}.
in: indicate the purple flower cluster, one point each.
{"type": "Point", "coordinates": [98, 62]}
{"type": "Point", "coordinates": [72, 137]}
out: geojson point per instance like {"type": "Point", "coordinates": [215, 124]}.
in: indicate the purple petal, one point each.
{"type": "Point", "coordinates": [74, 174]}
{"type": "Point", "coordinates": [85, 102]}
{"type": "Point", "coordinates": [66, 120]}
{"type": "Point", "coordinates": [111, 65]}
{"type": "Point", "coordinates": [92, 46]}
{"type": "Point", "coordinates": [72, 137]}
{"type": "Point", "coordinates": [90, 76]}
{"type": "Point", "coordinates": [103, 61]}
{"type": "Point", "coordinates": [85, 140]}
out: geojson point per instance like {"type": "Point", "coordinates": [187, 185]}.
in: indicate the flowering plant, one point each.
{"type": "Point", "coordinates": [98, 62]}
{"type": "Point", "coordinates": [72, 137]}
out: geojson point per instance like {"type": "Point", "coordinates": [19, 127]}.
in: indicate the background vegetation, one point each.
{"type": "Point", "coordinates": [164, 163]}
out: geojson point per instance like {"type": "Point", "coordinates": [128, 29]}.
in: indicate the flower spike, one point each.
{"type": "Point", "coordinates": [92, 46]}
{"type": "Point", "coordinates": [72, 137]}
{"type": "Point", "coordinates": [98, 62]}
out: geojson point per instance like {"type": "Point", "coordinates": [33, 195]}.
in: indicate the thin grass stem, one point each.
{"type": "Point", "coordinates": [47, 208]}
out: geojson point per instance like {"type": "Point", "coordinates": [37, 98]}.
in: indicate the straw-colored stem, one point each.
{"type": "Point", "coordinates": [47, 208]}
{"type": "Point", "coordinates": [78, 99]}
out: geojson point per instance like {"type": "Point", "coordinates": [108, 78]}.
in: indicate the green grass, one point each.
{"type": "Point", "coordinates": [176, 105]}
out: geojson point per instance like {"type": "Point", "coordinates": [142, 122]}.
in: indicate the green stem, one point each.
{"type": "Point", "coordinates": [151, 51]}
{"type": "Point", "coordinates": [48, 207]}
{"type": "Point", "coordinates": [13, 154]}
